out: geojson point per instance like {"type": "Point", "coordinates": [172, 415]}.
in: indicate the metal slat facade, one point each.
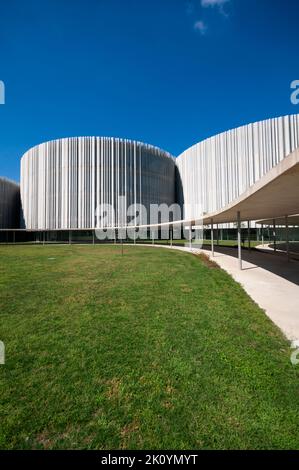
{"type": "Point", "coordinates": [217, 170]}
{"type": "Point", "coordinates": [9, 204]}
{"type": "Point", "coordinates": [64, 181]}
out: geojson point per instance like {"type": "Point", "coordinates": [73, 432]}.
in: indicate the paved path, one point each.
{"type": "Point", "coordinates": [281, 248]}
{"type": "Point", "coordinates": [270, 280]}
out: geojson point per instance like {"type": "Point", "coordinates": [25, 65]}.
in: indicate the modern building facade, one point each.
{"type": "Point", "coordinates": [9, 204]}
{"type": "Point", "coordinates": [64, 181]}
{"type": "Point", "coordinates": [216, 171]}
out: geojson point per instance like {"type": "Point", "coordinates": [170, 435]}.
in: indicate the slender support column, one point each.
{"type": "Point", "coordinates": [70, 237]}
{"type": "Point", "coordinates": [93, 237]}
{"type": "Point", "coordinates": [171, 237]}
{"type": "Point", "coordinates": [262, 229]}
{"type": "Point", "coordinates": [249, 241]}
{"type": "Point", "coordinates": [274, 234]}
{"type": "Point", "coordinates": [212, 238]}
{"type": "Point", "coordinates": [239, 240]}
{"type": "Point", "coordinates": [287, 237]}
{"type": "Point", "coordinates": [43, 238]}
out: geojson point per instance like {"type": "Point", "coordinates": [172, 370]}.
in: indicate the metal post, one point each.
{"type": "Point", "coordinates": [249, 241]}
{"type": "Point", "coordinates": [212, 237]}
{"type": "Point", "coordinates": [262, 229]}
{"type": "Point", "coordinates": [274, 234]}
{"type": "Point", "coordinates": [287, 238]}
{"type": "Point", "coordinates": [239, 240]}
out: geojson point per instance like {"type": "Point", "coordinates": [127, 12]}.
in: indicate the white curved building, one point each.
{"type": "Point", "coordinates": [9, 204]}
{"type": "Point", "coordinates": [64, 181]}
{"type": "Point", "coordinates": [214, 172]}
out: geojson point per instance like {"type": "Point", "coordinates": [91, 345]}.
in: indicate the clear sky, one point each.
{"type": "Point", "coordinates": [166, 72]}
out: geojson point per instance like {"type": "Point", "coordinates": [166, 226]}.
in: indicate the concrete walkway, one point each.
{"type": "Point", "coordinates": [270, 280]}
{"type": "Point", "coordinates": [280, 248]}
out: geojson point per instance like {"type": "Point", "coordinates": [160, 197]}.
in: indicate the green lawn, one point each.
{"type": "Point", "coordinates": [152, 349]}
{"type": "Point", "coordinates": [205, 243]}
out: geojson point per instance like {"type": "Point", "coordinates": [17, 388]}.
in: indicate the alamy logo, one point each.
{"type": "Point", "coordinates": [2, 92]}
{"type": "Point", "coordinates": [132, 222]}
{"type": "Point", "coordinates": [2, 353]}
{"type": "Point", "coordinates": [295, 354]}
{"type": "Point", "coordinates": [295, 93]}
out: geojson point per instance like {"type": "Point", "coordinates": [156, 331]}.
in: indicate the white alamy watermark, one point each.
{"type": "Point", "coordinates": [295, 353]}
{"type": "Point", "coordinates": [295, 93]}
{"type": "Point", "coordinates": [2, 92]}
{"type": "Point", "coordinates": [119, 221]}
{"type": "Point", "coordinates": [2, 353]}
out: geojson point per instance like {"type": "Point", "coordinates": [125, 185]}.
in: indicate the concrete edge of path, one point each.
{"type": "Point", "coordinates": [267, 248]}
{"type": "Point", "coordinates": [277, 296]}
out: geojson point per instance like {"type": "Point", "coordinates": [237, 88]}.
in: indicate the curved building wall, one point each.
{"type": "Point", "coordinates": [64, 181]}
{"type": "Point", "coordinates": [9, 204]}
{"type": "Point", "coordinates": [217, 170]}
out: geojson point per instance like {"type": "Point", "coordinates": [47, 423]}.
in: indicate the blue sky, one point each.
{"type": "Point", "coordinates": [167, 72]}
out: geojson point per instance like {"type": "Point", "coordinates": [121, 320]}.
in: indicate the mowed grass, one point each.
{"type": "Point", "coordinates": [204, 243]}
{"type": "Point", "coordinates": [152, 349]}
